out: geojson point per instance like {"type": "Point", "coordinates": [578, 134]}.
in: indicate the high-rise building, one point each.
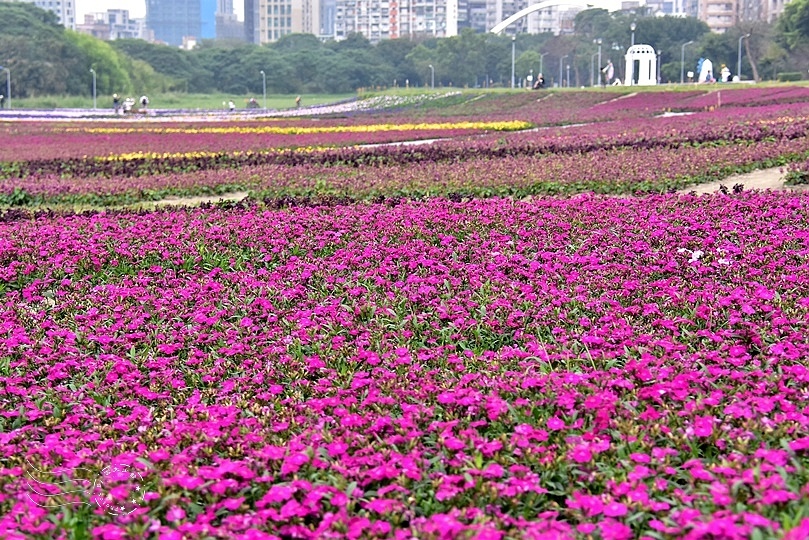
{"type": "Point", "coordinates": [112, 24]}
{"type": "Point", "coordinates": [328, 11]}
{"type": "Point", "coordinates": [378, 20]}
{"type": "Point", "coordinates": [499, 10]}
{"type": "Point", "coordinates": [719, 15]}
{"type": "Point", "coordinates": [208, 19]}
{"type": "Point", "coordinates": [65, 10]}
{"type": "Point", "coordinates": [268, 20]}
{"type": "Point", "coordinates": [228, 26]}
{"type": "Point", "coordinates": [173, 20]}
{"type": "Point", "coordinates": [251, 18]}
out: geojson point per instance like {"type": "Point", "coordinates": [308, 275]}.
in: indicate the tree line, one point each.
{"type": "Point", "coordinates": [47, 59]}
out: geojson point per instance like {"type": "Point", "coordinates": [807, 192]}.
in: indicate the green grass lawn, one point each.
{"type": "Point", "coordinates": [275, 101]}
{"type": "Point", "coordinates": [177, 101]}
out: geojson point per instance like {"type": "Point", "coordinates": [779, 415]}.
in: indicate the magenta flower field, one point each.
{"type": "Point", "coordinates": [402, 344]}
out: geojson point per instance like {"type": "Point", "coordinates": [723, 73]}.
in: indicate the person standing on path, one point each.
{"type": "Point", "coordinates": [608, 71]}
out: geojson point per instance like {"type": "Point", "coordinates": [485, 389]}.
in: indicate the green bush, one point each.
{"type": "Point", "coordinates": [790, 76]}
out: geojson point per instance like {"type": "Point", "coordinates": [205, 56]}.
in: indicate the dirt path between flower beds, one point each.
{"type": "Point", "coordinates": [761, 179]}
{"type": "Point", "coordinates": [194, 201]}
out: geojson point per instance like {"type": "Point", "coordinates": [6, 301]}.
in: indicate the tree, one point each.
{"type": "Point", "coordinates": [111, 76]}
{"type": "Point", "coordinates": [793, 25]}
{"type": "Point", "coordinates": [43, 60]}
{"type": "Point", "coordinates": [171, 61]}
{"type": "Point", "coordinates": [592, 23]}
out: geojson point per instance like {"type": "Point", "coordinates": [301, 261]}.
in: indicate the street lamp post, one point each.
{"type": "Point", "coordinates": [592, 71]}
{"type": "Point", "coordinates": [561, 65]}
{"type": "Point", "coordinates": [541, 56]}
{"type": "Point", "coordinates": [632, 27]}
{"type": "Point", "coordinates": [682, 60]}
{"type": "Point", "coordinates": [264, 87]}
{"type": "Point", "coordinates": [739, 60]}
{"type": "Point", "coordinates": [94, 86]}
{"type": "Point", "coordinates": [432, 76]}
{"type": "Point", "coordinates": [8, 84]}
{"type": "Point", "coordinates": [513, 51]}
{"type": "Point", "coordinates": [568, 75]}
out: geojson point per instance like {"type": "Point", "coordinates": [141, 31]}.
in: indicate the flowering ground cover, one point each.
{"type": "Point", "coordinates": [549, 108]}
{"type": "Point", "coordinates": [623, 170]}
{"type": "Point", "coordinates": [606, 157]}
{"type": "Point", "coordinates": [35, 142]}
{"type": "Point", "coordinates": [722, 95]}
{"type": "Point", "coordinates": [586, 367]}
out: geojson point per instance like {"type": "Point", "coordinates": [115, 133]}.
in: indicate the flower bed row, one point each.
{"type": "Point", "coordinates": [614, 171]}
{"type": "Point", "coordinates": [721, 96]}
{"type": "Point", "coordinates": [102, 142]}
{"type": "Point", "coordinates": [550, 108]}
{"type": "Point", "coordinates": [625, 368]}
{"type": "Point", "coordinates": [760, 124]}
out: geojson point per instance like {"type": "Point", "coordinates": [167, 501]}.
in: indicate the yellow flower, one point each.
{"type": "Point", "coordinates": [514, 125]}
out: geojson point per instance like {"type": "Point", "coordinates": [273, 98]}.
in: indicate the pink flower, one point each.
{"type": "Point", "coordinates": [175, 514]}
{"type": "Point", "coordinates": [189, 482]}
{"type": "Point", "coordinates": [382, 506]}
{"type": "Point", "coordinates": [801, 532]}
{"type": "Point", "coordinates": [233, 504]}
{"type": "Point", "coordinates": [292, 508]}
{"type": "Point", "coordinates": [703, 426]}
{"type": "Point", "coordinates": [640, 458]}
{"type": "Point", "coordinates": [586, 528]}
{"type": "Point", "coordinates": [555, 424]}
{"type": "Point", "coordinates": [493, 470]}
{"type": "Point", "coordinates": [454, 444]}
{"type": "Point", "coordinates": [581, 454]}
{"type": "Point", "coordinates": [799, 444]}
{"type": "Point", "coordinates": [294, 462]}
{"type": "Point", "coordinates": [615, 509]}
{"type": "Point", "coordinates": [615, 530]}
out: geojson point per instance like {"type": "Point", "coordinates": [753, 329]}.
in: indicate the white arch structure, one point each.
{"type": "Point", "coordinates": [646, 58]}
{"type": "Point", "coordinates": [499, 27]}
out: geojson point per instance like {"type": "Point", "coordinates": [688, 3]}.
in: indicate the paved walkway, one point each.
{"type": "Point", "coordinates": [194, 201]}
{"type": "Point", "coordinates": [761, 179]}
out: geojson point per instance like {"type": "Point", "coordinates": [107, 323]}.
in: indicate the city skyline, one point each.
{"type": "Point", "coordinates": [137, 8]}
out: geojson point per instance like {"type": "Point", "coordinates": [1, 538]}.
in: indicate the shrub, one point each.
{"type": "Point", "coordinates": [789, 76]}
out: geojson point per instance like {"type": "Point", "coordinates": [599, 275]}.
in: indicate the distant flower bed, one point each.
{"type": "Point", "coordinates": [721, 95]}
{"type": "Point", "coordinates": [58, 142]}
{"type": "Point", "coordinates": [749, 125]}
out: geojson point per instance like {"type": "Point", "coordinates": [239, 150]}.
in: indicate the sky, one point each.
{"type": "Point", "coordinates": [137, 8]}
